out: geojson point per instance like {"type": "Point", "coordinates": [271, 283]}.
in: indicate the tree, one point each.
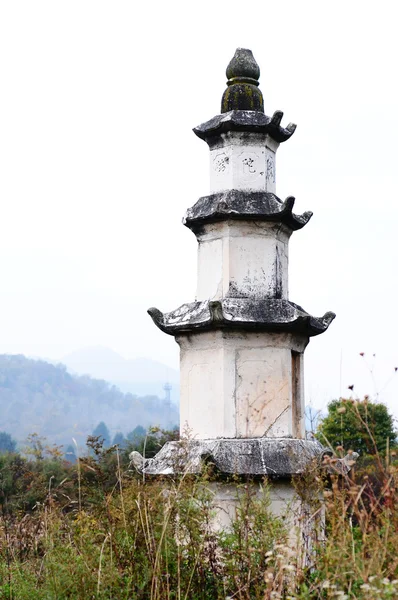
{"type": "Point", "coordinates": [70, 454]}
{"type": "Point", "coordinates": [7, 443]}
{"type": "Point", "coordinates": [38, 448]}
{"type": "Point", "coordinates": [119, 440]}
{"type": "Point", "coordinates": [102, 431]}
{"type": "Point", "coordinates": [363, 426]}
{"type": "Point", "coordinates": [137, 435]}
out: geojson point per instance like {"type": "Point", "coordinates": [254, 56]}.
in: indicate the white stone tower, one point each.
{"type": "Point", "coordinates": [242, 340]}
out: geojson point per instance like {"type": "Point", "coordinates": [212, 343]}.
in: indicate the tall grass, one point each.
{"type": "Point", "coordinates": [100, 532]}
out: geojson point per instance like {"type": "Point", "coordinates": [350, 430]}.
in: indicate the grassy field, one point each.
{"type": "Point", "coordinates": [97, 530]}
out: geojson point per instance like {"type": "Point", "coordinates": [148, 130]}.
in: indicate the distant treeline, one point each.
{"type": "Point", "coordinates": [38, 397]}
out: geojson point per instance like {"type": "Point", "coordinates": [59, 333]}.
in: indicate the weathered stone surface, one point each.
{"type": "Point", "coordinates": [223, 268]}
{"type": "Point", "coordinates": [261, 456]}
{"type": "Point", "coordinates": [244, 162]}
{"type": "Point", "coordinates": [242, 92]}
{"type": "Point", "coordinates": [245, 120]}
{"type": "Point", "coordinates": [243, 64]}
{"type": "Point", "coordinates": [240, 205]}
{"type": "Point", "coordinates": [242, 384]}
{"type": "Point", "coordinates": [241, 313]}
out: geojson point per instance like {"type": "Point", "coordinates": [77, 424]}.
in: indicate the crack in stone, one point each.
{"type": "Point", "coordinates": [275, 420]}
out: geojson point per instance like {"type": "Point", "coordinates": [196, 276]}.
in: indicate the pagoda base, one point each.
{"type": "Point", "coordinates": [265, 466]}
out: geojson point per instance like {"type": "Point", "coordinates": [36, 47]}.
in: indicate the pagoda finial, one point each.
{"type": "Point", "coordinates": [242, 92]}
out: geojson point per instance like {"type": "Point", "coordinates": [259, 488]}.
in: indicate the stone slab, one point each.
{"type": "Point", "coordinates": [280, 457]}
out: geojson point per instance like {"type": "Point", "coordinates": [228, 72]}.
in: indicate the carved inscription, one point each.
{"type": "Point", "coordinates": [270, 169]}
{"type": "Point", "coordinates": [221, 163]}
{"type": "Point", "coordinates": [248, 165]}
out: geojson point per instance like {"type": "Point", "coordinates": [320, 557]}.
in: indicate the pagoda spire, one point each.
{"type": "Point", "coordinates": [242, 92]}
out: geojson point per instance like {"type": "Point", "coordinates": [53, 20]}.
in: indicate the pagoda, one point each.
{"type": "Point", "coordinates": [242, 340]}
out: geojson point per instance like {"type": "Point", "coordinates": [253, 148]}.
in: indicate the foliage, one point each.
{"type": "Point", "coordinates": [70, 454]}
{"type": "Point", "coordinates": [119, 440]}
{"type": "Point", "coordinates": [103, 432]}
{"type": "Point", "coordinates": [137, 434]}
{"type": "Point", "coordinates": [7, 443]}
{"type": "Point", "coordinates": [362, 426]}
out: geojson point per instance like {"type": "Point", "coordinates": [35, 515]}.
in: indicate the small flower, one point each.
{"type": "Point", "coordinates": [341, 410]}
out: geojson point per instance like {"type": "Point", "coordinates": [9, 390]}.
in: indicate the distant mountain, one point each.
{"type": "Point", "coordinates": [138, 376]}
{"type": "Point", "coordinates": [39, 397]}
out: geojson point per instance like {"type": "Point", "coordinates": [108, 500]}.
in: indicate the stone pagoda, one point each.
{"type": "Point", "coordinates": [242, 340]}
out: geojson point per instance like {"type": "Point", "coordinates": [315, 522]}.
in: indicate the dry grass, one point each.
{"type": "Point", "coordinates": [104, 533]}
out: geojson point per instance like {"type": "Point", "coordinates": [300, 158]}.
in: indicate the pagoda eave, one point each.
{"type": "Point", "coordinates": [244, 205]}
{"type": "Point", "coordinates": [262, 314]}
{"type": "Point", "coordinates": [281, 457]}
{"type": "Point", "coordinates": [250, 121]}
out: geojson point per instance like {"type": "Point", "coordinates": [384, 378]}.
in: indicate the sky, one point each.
{"type": "Point", "coordinates": [98, 164]}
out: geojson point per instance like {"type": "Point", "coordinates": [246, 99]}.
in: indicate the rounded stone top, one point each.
{"type": "Point", "coordinates": [243, 64]}
{"type": "Point", "coordinates": [242, 92]}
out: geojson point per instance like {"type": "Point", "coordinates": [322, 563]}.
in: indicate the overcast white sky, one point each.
{"type": "Point", "coordinates": [98, 164]}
